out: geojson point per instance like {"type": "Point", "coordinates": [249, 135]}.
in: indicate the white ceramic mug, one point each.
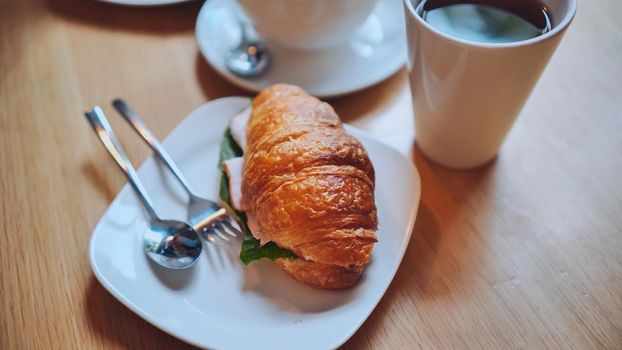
{"type": "Point", "coordinates": [307, 24]}
{"type": "Point", "coordinates": [466, 95]}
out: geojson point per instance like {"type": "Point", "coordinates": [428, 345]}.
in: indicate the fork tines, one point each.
{"type": "Point", "coordinates": [220, 225]}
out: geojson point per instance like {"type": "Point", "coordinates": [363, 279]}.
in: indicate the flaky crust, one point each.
{"type": "Point", "coordinates": [310, 186]}
{"type": "Point", "coordinates": [320, 275]}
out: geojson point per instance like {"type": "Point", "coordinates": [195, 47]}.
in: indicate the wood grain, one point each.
{"type": "Point", "coordinates": [523, 253]}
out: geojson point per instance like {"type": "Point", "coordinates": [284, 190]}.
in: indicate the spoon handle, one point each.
{"type": "Point", "coordinates": [102, 128]}
{"type": "Point", "coordinates": [147, 135]}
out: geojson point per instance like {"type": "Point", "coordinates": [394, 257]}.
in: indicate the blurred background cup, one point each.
{"type": "Point", "coordinates": [466, 95]}
{"type": "Point", "coordinates": [307, 24]}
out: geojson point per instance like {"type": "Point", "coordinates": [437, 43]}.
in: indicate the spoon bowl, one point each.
{"type": "Point", "coordinates": [172, 244]}
{"type": "Point", "coordinates": [250, 58]}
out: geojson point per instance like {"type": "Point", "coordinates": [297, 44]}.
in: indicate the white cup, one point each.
{"type": "Point", "coordinates": [466, 95]}
{"type": "Point", "coordinates": [307, 24]}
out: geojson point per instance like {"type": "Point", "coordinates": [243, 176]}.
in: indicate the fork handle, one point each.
{"type": "Point", "coordinates": [99, 122]}
{"type": "Point", "coordinates": [145, 133]}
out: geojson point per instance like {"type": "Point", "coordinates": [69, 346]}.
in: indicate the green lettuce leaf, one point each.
{"type": "Point", "coordinates": [251, 250]}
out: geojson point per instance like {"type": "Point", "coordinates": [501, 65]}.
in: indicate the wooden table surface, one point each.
{"type": "Point", "coordinates": [523, 253]}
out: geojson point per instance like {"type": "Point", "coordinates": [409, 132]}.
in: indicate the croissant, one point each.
{"type": "Point", "coordinates": [308, 186]}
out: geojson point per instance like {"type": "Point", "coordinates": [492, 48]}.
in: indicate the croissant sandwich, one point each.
{"type": "Point", "coordinates": [303, 187]}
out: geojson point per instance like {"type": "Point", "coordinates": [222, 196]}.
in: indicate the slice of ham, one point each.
{"type": "Point", "coordinates": [251, 221]}
{"type": "Point", "coordinates": [233, 168]}
{"type": "Point", "coordinates": [238, 127]}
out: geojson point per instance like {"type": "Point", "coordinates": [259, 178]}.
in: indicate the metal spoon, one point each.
{"type": "Point", "coordinates": [168, 243]}
{"type": "Point", "coordinates": [250, 58]}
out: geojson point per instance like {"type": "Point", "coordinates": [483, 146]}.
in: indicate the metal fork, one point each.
{"type": "Point", "coordinates": [207, 217]}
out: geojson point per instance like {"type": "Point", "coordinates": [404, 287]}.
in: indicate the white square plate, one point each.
{"type": "Point", "coordinates": [220, 303]}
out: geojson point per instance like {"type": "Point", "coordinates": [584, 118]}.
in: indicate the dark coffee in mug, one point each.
{"type": "Point", "coordinates": [487, 21]}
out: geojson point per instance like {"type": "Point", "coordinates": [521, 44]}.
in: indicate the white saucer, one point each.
{"type": "Point", "coordinates": [377, 50]}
